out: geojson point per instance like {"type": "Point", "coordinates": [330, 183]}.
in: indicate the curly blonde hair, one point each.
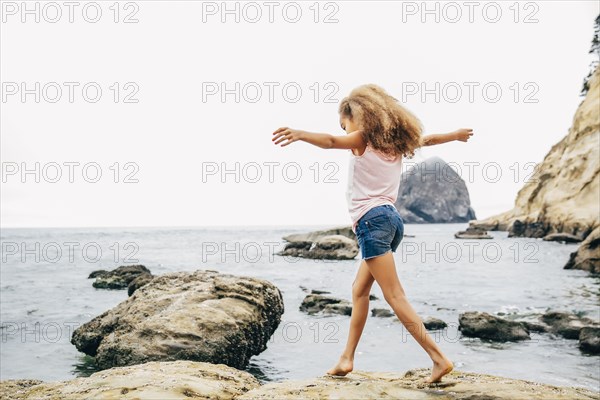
{"type": "Point", "coordinates": [387, 126]}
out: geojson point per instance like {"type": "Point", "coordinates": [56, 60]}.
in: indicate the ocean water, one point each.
{"type": "Point", "coordinates": [45, 294]}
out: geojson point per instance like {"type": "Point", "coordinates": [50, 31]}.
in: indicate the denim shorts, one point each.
{"type": "Point", "coordinates": [379, 231]}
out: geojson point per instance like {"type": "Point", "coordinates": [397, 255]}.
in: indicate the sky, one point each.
{"type": "Point", "coordinates": [156, 113]}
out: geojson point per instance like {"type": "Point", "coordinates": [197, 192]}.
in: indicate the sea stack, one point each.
{"type": "Point", "coordinates": [432, 192]}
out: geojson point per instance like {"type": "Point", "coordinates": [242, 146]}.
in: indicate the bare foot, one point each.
{"type": "Point", "coordinates": [440, 368]}
{"type": "Point", "coordinates": [343, 367]}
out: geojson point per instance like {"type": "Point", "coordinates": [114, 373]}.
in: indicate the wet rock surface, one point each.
{"type": "Point", "coordinates": [487, 326]}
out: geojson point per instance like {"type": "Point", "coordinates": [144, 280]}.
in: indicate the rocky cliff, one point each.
{"type": "Point", "coordinates": [564, 194]}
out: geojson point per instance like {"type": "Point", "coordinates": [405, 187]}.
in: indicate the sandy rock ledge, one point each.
{"type": "Point", "coordinates": [152, 380]}
{"type": "Point", "coordinates": [196, 380]}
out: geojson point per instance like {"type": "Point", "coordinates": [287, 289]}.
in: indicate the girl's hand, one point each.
{"type": "Point", "coordinates": [289, 134]}
{"type": "Point", "coordinates": [463, 134]}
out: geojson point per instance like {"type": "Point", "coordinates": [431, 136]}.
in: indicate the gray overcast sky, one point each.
{"type": "Point", "coordinates": [187, 92]}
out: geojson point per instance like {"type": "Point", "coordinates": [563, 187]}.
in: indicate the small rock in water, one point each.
{"type": "Point", "coordinates": [565, 324]}
{"type": "Point", "coordinates": [342, 308]}
{"type": "Point", "coordinates": [562, 237]}
{"type": "Point", "coordinates": [332, 244]}
{"type": "Point", "coordinates": [487, 326]}
{"type": "Point", "coordinates": [332, 247]}
{"type": "Point", "coordinates": [118, 278]}
{"type": "Point", "coordinates": [314, 303]}
{"type": "Point", "coordinates": [434, 324]}
{"type": "Point", "coordinates": [381, 312]}
{"type": "Point", "coordinates": [533, 327]}
{"type": "Point", "coordinates": [587, 256]}
{"type": "Point", "coordinates": [472, 233]}
{"type": "Point", "coordinates": [589, 340]}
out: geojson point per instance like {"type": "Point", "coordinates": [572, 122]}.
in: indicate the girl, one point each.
{"type": "Point", "coordinates": [379, 133]}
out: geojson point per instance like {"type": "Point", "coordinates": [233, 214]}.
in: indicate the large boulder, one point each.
{"type": "Point", "coordinates": [432, 192]}
{"type": "Point", "coordinates": [430, 323]}
{"type": "Point", "coordinates": [587, 256]}
{"type": "Point", "coordinates": [563, 195]}
{"type": "Point", "coordinates": [200, 316]}
{"type": "Point", "coordinates": [153, 380]}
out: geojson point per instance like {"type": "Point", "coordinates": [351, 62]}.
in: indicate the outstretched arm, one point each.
{"type": "Point", "coordinates": [353, 140]}
{"type": "Point", "coordinates": [461, 134]}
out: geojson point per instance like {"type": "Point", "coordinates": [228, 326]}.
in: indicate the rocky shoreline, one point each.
{"type": "Point", "coordinates": [189, 335]}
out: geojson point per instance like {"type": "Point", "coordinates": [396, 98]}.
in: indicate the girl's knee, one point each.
{"type": "Point", "coordinates": [394, 295]}
{"type": "Point", "coordinates": [360, 290]}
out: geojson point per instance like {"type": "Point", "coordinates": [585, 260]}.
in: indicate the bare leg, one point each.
{"type": "Point", "coordinates": [383, 270]}
{"type": "Point", "coordinates": [361, 287]}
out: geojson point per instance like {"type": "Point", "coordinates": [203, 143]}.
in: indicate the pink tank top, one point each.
{"type": "Point", "coordinates": [373, 180]}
